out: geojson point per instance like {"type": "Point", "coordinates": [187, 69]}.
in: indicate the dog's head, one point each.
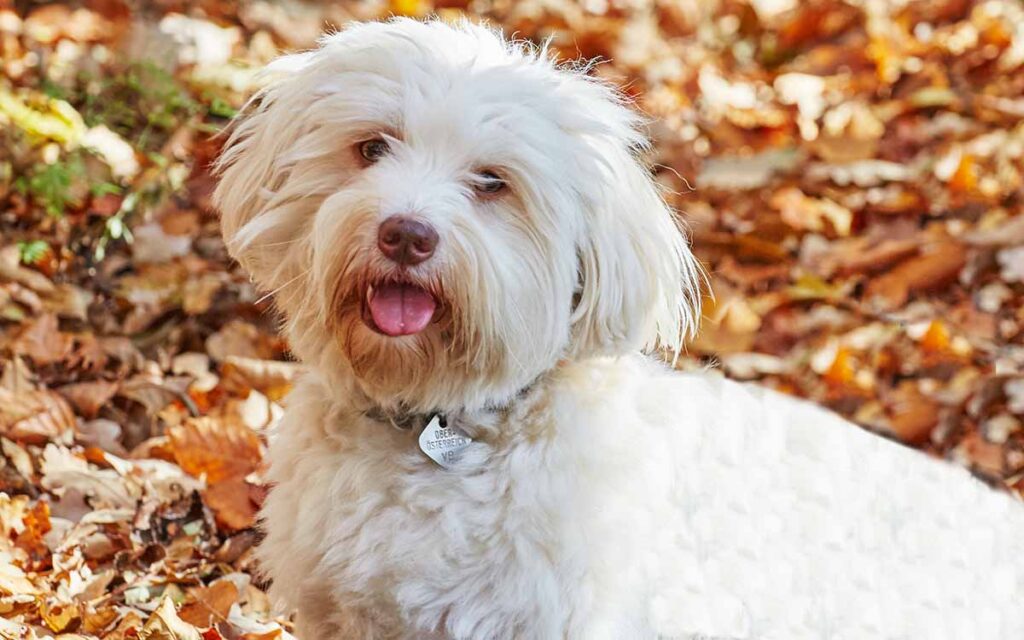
{"type": "Point", "coordinates": [443, 215]}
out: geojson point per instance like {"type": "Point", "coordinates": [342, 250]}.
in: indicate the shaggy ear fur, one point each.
{"type": "Point", "coordinates": [253, 168]}
{"type": "Point", "coordinates": [640, 285]}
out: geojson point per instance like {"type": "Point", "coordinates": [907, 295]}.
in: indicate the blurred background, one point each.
{"type": "Point", "coordinates": [850, 171]}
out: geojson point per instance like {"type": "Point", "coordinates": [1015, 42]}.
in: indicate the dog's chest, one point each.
{"type": "Point", "coordinates": [437, 544]}
{"type": "Point", "coordinates": [494, 550]}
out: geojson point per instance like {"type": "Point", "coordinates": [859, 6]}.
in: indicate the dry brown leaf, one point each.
{"type": "Point", "coordinates": [68, 301]}
{"type": "Point", "coordinates": [12, 269]}
{"type": "Point", "coordinates": [270, 635]}
{"type": "Point", "coordinates": [63, 472]}
{"type": "Point", "coordinates": [58, 616]}
{"type": "Point", "coordinates": [127, 628]}
{"type": "Point", "coordinates": [165, 624]}
{"type": "Point", "coordinates": [240, 339]}
{"type": "Point", "coordinates": [198, 293]}
{"type": "Point", "coordinates": [271, 377]}
{"type": "Point", "coordinates": [35, 417]}
{"type": "Point", "coordinates": [985, 456]}
{"type": "Point", "coordinates": [209, 605]}
{"type": "Point", "coordinates": [152, 394]}
{"type": "Point", "coordinates": [810, 214]}
{"type": "Point", "coordinates": [232, 504]}
{"type": "Point", "coordinates": [913, 416]}
{"type": "Point", "coordinates": [936, 338]}
{"type": "Point", "coordinates": [95, 622]}
{"type": "Point", "coordinates": [89, 397]}
{"type": "Point", "coordinates": [43, 342]}
{"type": "Point", "coordinates": [863, 259]}
{"type": "Point", "coordinates": [220, 449]}
{"type": "Point", "coordinates": [13, 581]}
{"type": "Point", "coordinates": [936, 266]}
{"type": "Point", "coordinates": [35, 525]}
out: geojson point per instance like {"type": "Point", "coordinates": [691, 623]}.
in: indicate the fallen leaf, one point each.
{"type": "Point", "coordinates": [219, 449]}
{"type": "Point", "coordinates": [937, 265]}
{"type": "Point", "coordinates": [232, 504]}
{"type": "Point", "coordinates": [12, 269]}
{"type": "Point", "coordinates": [210, 605]}
{"type": "Point", "coordinates": [35, 416]}
{"type": "Point", "coordinates": [913, 416]}
{"type": "Point", "coordinates": [43, 342]}
{"type": "Point", "coordinates": [271, 377]}
{"type": "Point", "coordinates": [239, 339]}
{"type": "Point", "coordinates": [165, 624]}
{"type": "Point", "coordinates": [62, 470]}
{"type": "Point", "coordinates": [13, 581]}
{"type": "Point", "coordinates": [936, 338]}
{"type": "Point", "coordinates": [89, 397]}
{"type": "Point", "coordinates": [58, 616]}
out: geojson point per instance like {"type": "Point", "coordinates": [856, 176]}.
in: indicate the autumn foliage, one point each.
{"type": "Point", "coordinates": [851, 173]}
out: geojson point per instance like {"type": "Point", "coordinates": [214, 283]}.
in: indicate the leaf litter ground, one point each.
{"type": "Point", "coordinates": [850, 172]}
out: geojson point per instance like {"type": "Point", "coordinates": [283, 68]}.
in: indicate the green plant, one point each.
{"type": "Point", "coordinates": [104, 188]}
{"type": "Point", "coordinates": [32, 251]}
{"type": "Point", "coordinates": [50, 185]}
{"type": "Point", "coordinates": [143, 103]}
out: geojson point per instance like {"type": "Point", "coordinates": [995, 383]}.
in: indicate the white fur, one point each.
{"type": "Point", "coordinates": [605, 496]}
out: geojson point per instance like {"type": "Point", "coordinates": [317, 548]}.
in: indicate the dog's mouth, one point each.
{"type": "Point", "coordinates": [398, 308]}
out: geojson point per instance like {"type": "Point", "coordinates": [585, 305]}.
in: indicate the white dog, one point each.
{"type": "Point", "coordinates": [470, 259]}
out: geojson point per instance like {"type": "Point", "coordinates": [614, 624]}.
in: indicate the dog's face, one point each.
{"type": "Point", "coordinates": [443, 216]}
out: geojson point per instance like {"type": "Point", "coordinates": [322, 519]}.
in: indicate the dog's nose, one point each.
{"type": "Point", "coordinates": [405, 240]}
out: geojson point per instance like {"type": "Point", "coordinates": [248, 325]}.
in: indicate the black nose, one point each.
{"type": "Point", "coordinates": [405, 240]}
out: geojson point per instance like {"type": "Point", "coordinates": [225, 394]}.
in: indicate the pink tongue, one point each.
{"type": "Point", "coordinates": [401, 309]}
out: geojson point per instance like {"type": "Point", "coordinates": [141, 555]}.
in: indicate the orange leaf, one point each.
{"type": "Point", "coordinates": [270, 635]}
{"type": "Point", "coordinates": [221, 449]}
{"type": "Point", "coordinates": [913, 415]}
{"type": "Point", "coordinates": [936, 338]}
{"type": "Point", "coordinates": [209, 605]}
{"type": "Point", "coordinates": [37, 524]}
{"type": "Point", "coordinates": [842, 370]}
{"type": "Point", "coordinates": [57, 616]}
{"type": "Point", "coordinates": [232, 504]}
{"type": "Point", "coordinates": [965, 179]}
{"type": "Point", "coordinates": [937, 265]}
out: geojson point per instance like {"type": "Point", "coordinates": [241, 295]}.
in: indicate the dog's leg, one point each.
{"type": "Point", "coordinates": [321, 618]}
{"type": "Point", "coordinates": [315, 617]}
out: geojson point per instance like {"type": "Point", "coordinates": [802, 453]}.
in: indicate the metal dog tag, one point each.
{"type": "Point", "coordinates": [442, 443]}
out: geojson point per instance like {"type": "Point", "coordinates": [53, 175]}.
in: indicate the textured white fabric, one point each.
{"type": "Point", "coordinates": [621, 500]}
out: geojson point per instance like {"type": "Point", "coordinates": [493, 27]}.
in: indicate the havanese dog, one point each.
{"type": "Point", "coordinates": [471, 258]}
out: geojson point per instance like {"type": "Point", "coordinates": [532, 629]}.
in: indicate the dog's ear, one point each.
{"type": "Point", "coordinates": [639, 284]}
{"type": "Point", "coordinates": [253, 167]}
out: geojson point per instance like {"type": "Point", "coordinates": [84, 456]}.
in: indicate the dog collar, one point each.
{"type": "Point", "coordinates": [440, 437]}
{"type": "Point", "coordinates": [400, 421]}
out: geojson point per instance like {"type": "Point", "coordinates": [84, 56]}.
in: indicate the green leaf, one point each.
{"type": "Point", "coordinates": [50, 184]}
{"type": "Point", "coordinates": [220, 108]}
{"type": "Point", "coordinates": [33, 251]}
{"type": "Point", "coordinates": [104, 188]}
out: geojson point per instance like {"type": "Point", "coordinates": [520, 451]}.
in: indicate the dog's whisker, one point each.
{"type": "Point", "coordinates": [271, 294]}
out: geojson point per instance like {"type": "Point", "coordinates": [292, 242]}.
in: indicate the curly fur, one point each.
{"type": "Point", "coordinates": [604, 495]}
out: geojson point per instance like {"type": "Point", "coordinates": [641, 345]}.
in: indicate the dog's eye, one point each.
{"type": "Point", "coordinates": [373, 150]}
{"type": "Point", "coordinates": [489, 183]}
